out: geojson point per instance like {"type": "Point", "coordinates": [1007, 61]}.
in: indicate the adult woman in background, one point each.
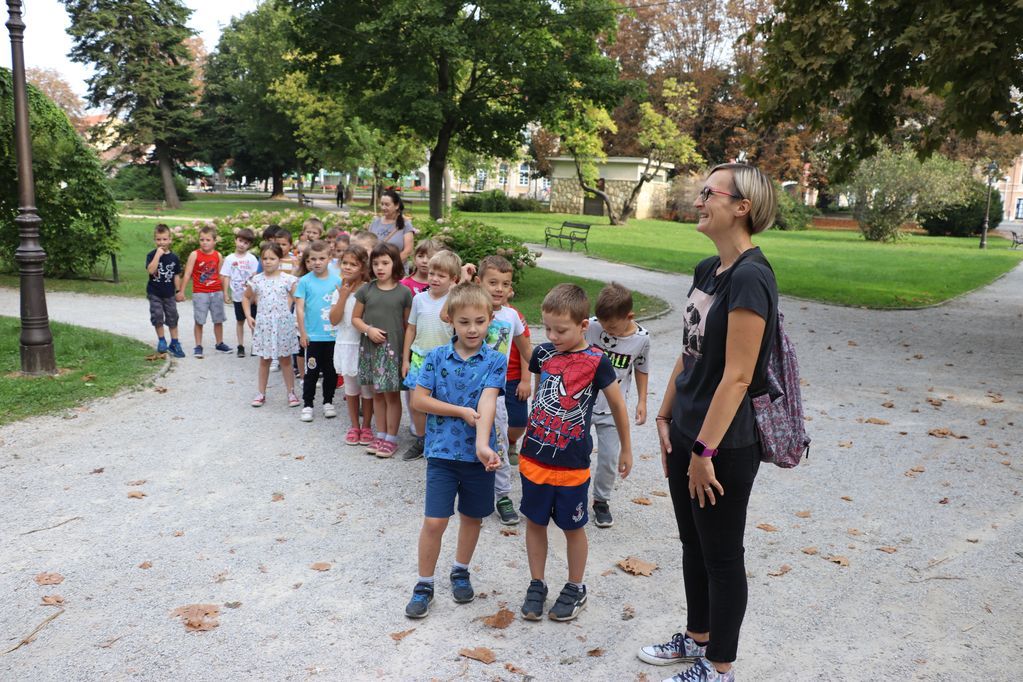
{"type": "Point", "coordinates": [710, 447]}
{"type": "Point", "coordinates": [391, 225]}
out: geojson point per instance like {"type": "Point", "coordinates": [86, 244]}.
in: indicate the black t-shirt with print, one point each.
{"type": "Point", "coordinates": [749, 284]}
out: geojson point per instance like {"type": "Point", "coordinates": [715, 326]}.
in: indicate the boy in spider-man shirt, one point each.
{"type": "Point", "coordinates": [554, 462]}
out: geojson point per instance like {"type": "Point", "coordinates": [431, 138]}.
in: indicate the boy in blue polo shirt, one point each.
{"type": "Point", "coordinates": [458, 387]}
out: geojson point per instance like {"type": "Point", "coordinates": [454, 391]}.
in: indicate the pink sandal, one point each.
{"type": "Point", "coordinates": [386, 449]}
{"type": "Point", "coordinates": [352, 437]}
{"type": "Point", "coordinates": [366, 437]}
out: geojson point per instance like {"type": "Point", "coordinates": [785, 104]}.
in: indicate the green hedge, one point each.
{"type": "Point", "coordinates": [142, 181]}
{"type": "Point", "coordinates": [967, 219]}
{"type": "Point", "coordinates": [792, 213]}
{"type": "Point", "coordinates": [496, 201]}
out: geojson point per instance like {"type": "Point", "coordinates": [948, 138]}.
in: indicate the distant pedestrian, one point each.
{"type": "Point", "coordinates": [340, 196]}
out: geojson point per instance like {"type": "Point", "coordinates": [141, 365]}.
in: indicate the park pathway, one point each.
{"type": "Point", "coordinates": [240, 503]}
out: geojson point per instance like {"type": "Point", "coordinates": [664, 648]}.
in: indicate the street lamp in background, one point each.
{"type": "Point", "coordinates": [991, 169]}
{"type": "Point", "coordinates": [36, 339]}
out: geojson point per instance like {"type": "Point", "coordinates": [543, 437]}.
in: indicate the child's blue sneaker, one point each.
{"type": "Point", "coordinates": [175, 349]}
{"type": "Point", "coordinates": [161, 345]}
{"type": "Point", "coordinates": [223, 347]}
{"type": "Point", "coordinates": [419, 605]}
{"type": "Point", "coordinates": [197, 352]}
{"type": "Point", "coordinates": [461, 587]}
{"type": "Point", "coordinates": [536, 595]}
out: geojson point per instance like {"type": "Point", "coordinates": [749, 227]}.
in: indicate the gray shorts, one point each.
{"type": "Point", "coordinates": [163, 311]}
{"type": "Point", "coordinates": [212, 303]}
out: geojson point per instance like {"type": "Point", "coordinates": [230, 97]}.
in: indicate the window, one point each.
{"type": "Point", "coordinates": [502, 174]}
{"type": "Point", "coordinates": [481, 180]}
{"type": "Point", "coordinates": [524, 175]}
{"type": "Point", "coordinates": [1019, 209]}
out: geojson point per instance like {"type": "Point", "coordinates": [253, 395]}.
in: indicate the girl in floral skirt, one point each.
{"type": "Point", "coordinates": [381, 315]}
{"type": "Point", "coordinates": [273, 328]}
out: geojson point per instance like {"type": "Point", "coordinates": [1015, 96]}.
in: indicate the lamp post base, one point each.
{"type": "Point", "coordinates": [38, 360]}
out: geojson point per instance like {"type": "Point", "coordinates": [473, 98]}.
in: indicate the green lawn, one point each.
{"type": "Point", "coordinates": [833, 267]}
{"type": "Point", "coordinates": [537, 282]}
{"type": "Point", "coordinates": [211, 206]}
{"type": "Point", "coordinates": [92, 364]}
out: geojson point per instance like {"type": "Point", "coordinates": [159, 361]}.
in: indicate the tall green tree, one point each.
{"type": "Point", "coordinates": [478, 73]}
{"type": "Point", "coordinates": [143, 75]}
{"type": "Point", "coordinates": [867, 59]}
{"type": "Point", "coordinates": [241, 120]}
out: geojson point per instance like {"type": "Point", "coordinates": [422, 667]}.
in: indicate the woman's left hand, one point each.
{"type": "Point", "coordinates": [702, 482]}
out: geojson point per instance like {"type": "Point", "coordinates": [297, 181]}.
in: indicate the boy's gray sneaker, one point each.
{"type": "Point", "coordinates": [680, 649]}
{"type": "Point", "coordinates": [702, 671]}
{"type": "Point", "coordinates": [415, 450]}
{"type": "Point", "coordinates": [419, 605]}
{"type": "Point", "coordinates": [602, 514]}
{"type": "Point", "coordinates": [570, 602]}
{"type": "Point", "coordinates": [506, 511]}
{"type": "Point", "coordinates": [536, 595]}
{"type": "Point", "coordinates": [461, 587]}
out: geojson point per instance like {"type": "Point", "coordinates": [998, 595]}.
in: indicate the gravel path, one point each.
{"type": "Point", "coordinates": [942, 598]}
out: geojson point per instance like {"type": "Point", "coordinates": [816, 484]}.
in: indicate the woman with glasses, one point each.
{"type": "Point", "coordinates": [710, 447]}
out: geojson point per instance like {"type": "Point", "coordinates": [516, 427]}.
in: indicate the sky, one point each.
{"type": "Point", "coordinates": [47, 42]}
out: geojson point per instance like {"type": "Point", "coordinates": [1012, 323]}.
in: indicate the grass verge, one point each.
{"type": "Point", "coordinates": [92, 364]}
{"type": "Point", "coordinates": [537, 282]}
{"type": "Point", "coordinates": [828, 266]}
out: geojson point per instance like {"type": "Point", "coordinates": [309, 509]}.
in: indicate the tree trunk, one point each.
{"type": "Point", "coordinates": [277, 177]}
{"type": "Point", "coordinates": [629, 207]}
{"type": "Point", "coordinates": [170, 192]}
{"type": "Point", "coordinates": [612, 216]}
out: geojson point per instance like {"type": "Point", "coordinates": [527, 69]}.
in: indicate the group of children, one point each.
{"type": "Point", "coordinates": [445, 335]}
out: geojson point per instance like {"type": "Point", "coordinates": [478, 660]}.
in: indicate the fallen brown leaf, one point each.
{"type": "Point", "coordinates": [154, 357]}
{"type": "Point", "coordinates": [160, 389]}
{"type": "Point", "coordinates": [88, 377]}
{"type": "Point", "coordinates": [136, 494]}
{"type": "Point", "coordinates": [943, 500]}
{"type": "Point", "coordinates": [658, 493]}
{"type": "Point", "coordinates": [767, 527]}
{"type": "Point", "coordinates": [49, 579]}
{"type": "Point", "coordinates": [141, 481]}
{"type": "Point", "coordinates": [914, 471]}
{"type": "Point", "coordinates": [628, 612]}
{"type": "Point", "coordinates": [480, 653]}
{"type": "Point", "coordinates": [888, 403]}
{"type": "Point", "coordinates": [945, 433]}
{"type": "Point", "coordinates": [803, 514]}
{"type": "Point", "coordinates": [398, 636]}
{"type": "Point", "coordinates": [845, 443]}
{"type": "Point", "coordinates": [888, 549]}
{"type": "Point", "coordinates": [146, 565]}
{"type": "Point", "coordinates": [837, 559]}
{"type": "Point", "coordinates": [300, 457]}
{"type": "Point", "coordinates": [178, 533]}
{"type": "Point", "coordinates": [98, 470]}
{"type": "Point", "coordinates": [982, 422]}
{"type": "Point", "coordinates": [608, 572]}
{"type": "Point", "coordinates": [277, 497]}
{"type": "Point", "coordinates": [936, 402]}
{"type": "Point", "coordinates": [637, 566]}
{"type": "Point", "coordinates": [595, 653]}
{"type": "Point", "coordinates": [645, 501]}
{"type": "Point", "coordinates": [52, 600]}
{"type": "Point", "coordinates": [995, 397]}
{"type": "Point", "coordinates": [846, 498]}
{"type": "Point", "coordinates": [232, 604]}
{"type": "Point", "coordinates": [782, 570]}
{"type": "Point", "coordinates": [320, 566]}
{"type": "Point", "coordinates": [508, 532]}
{"type": "Point", "coordinates": [875, 420]}
{"type": "Point", "coordinates": [500, 620]}
{"type": "Point", "coordinates": [809, 550]}
{"type": "Point", "coordinates": [198, 617]}
{"type": "Point", "coordinates": [855, 532]}
{"type": "Point", "coordinates": [852, 344]}
{"type": "Point", "coordinates": [515, 670]}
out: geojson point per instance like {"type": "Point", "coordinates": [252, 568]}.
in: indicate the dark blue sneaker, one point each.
{"type": "Point", "coordinates": [570, 603]}
{"type": "Point", "coordinates": [223, 347]}
{"type": "Point", "coordinates": [197, 352]}
{"type": "Point", "coordinates": [419, 605]}
{"type": "Point", "coordinates": [161, 345]}
{"type": "Point", "coordinates": [461, 587]}
{"type": "Point", "coordinates": [175, 349]}
{"type": "Point", "coordinates": [536, 595]}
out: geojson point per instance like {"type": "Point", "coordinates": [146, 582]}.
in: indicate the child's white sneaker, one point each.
{"type": "Point", "coordinates": [307, 414]}
{"type": "Point", "coordinates": [275, 365]}
{"type": "Point", "coordinates": [328, 411]}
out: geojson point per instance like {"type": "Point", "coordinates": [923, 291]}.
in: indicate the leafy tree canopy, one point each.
{"type": "Point", "coordinates": [865, 58]}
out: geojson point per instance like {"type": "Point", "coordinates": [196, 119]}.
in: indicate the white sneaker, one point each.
{"type": "Point", "coordinates": [307, 414]}
{"type": "Point", "coordinates": [275, 365]}
{"type": "Point", "coordinates": [328, 411]}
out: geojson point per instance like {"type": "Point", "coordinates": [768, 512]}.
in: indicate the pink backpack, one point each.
{"type": "Point", "coordinates": [779, 410]}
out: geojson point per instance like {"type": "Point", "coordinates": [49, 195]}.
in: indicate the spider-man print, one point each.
{"type": "Point", "coordinates": [576, 375]}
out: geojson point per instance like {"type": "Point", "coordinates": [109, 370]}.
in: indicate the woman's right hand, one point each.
{"type": "Point", "coordinates": [376, 335]}
{"type": "Point", "coordinates": [664, 435]}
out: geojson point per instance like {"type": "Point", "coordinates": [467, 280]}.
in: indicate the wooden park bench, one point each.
{"type": "Point", "coordinates": [573, 233]}
{"type": "Point", "coordinates": [1017, 239]}
{"type": "Point", "coordinates": [305, 200]}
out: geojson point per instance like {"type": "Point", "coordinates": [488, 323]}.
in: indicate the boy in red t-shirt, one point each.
{"type": "Point", "coordinates": [203, 270]}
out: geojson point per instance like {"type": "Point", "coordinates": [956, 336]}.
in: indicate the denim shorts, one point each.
{"type": "Point", "coordinates": [518, 410]}
{"type": "Point", "coordinates": [212, 303]}
{"type": "Point", "coordinates": [469, 481]}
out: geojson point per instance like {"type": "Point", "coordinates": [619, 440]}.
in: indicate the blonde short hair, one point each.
{"type": "Point", "coordinates": [752, 184]}
{"type": "Point", "coordinates": [447, 261]}
{"type": "Point", "coordinates": [567, 299]}
{"type": "Point", "coordinates": [468, 295]}
{"type": "Point", "coordinates": [313, 222]}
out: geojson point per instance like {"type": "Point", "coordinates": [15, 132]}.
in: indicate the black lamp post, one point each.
{"type": "Point", "coordinates": [36, 340]}
{"type": "Point", "coordinates": [991, 169]}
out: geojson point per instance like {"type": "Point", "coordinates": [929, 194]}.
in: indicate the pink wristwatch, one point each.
{"type": "Point", "coordinates": [701, 450]}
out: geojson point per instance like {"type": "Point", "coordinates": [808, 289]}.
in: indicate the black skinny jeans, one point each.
{"type": "Point", "coordinates": [319, 360]}
{"type": "Point", "coordinates": [712, 549]}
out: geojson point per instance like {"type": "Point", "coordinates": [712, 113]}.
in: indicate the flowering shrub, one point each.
{"type": "Point", "coordinates": [470, 239]}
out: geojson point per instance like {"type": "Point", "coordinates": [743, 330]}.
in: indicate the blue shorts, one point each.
{"type": "Point", "coordinates": [542, 502]}
{"type": "Point", "coordinates": [518, 410]}
{"type": "Point", "coordinates": [469, 481]}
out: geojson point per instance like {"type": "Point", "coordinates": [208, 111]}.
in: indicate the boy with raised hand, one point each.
{"type": "Point", "coordinates": [238, 267]}
{"type": "Point", "coordinates": [554, 463]}
{"type": "Point", "coordinates": [164, 268]}
{"type": "Point", "coordinates": [458, 387]}
{"type": "Point", "coordinates": [613, 330]}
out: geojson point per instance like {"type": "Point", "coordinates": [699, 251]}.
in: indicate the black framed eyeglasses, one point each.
{"type": "Point", "coordinates": [705, 193]}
